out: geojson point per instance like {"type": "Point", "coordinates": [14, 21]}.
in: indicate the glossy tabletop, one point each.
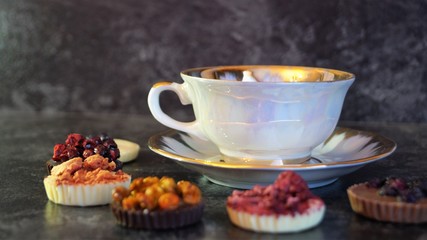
{"type": "Point", "coordinates": [27, 140]}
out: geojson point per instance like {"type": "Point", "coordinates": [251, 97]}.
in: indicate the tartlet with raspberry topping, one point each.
{"type": "Point", "coordinates": [287, 205]}
{"type": "Point", "coordinates": [85, 171]}
{"type": "Point", "coordinates": [391, 199]}
{"type": "Point", "coordinates": [153, 203]}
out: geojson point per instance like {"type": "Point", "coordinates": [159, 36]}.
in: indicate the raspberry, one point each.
{"type": "Point", "coordinates": [74, 139]}
{"type": "Point", "coordinates": [57, 151]}
{"type": "Point", "coordinates": [72, 152]}
{"type": "Point", "coordinates": [114, 153]}
{"type": "Point", "coordinates": [397, 183]}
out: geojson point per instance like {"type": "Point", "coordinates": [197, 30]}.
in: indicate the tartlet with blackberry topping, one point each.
{"type": "Point", "coordinates": [287, 205]}
{"type": "Point", "coordinates": [84, 171]}
{"type": "Point", "coordinates": [153, 203]}
{"type": "Point", "coordinates": [391, 199]}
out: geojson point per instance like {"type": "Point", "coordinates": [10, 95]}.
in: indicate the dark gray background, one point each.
{"type": "Point", "coordinates": [104, 55]}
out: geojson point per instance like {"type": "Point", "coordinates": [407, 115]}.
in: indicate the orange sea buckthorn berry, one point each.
{"type": "Point", "coordinates": [182, 185]}
{"type": "Point", "coordinates": [191, 194]}
{"type": "Point", "coordinates": [151, 202]}
{"type": "Point", "coordinates": [154, 190]}
{"type": "Point", "coordinates": [168, 184]}
{"type": "Point", "coordinates": [136, 185]}
{"type": "Point", "coordinates": [141, 184]}
{"type": "Point", "coordinates": [119, 193]}
{"type": "Point", "coordinates": [130, 203]}
{"type": "Point", "coordinates": [153, 193]}
{"type": "Point", "coordinates": [169, 201]}
{"type": "Point", "coordinates": [148, 181]}
{"type": "Point", "coordinates": [144, 202]}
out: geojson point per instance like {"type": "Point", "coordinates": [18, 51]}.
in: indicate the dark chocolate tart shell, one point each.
{"type": "Point", "coordinates": [156, 220]}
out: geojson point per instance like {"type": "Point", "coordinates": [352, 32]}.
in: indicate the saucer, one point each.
{"type": "Point", "coordinates": [345, 151]}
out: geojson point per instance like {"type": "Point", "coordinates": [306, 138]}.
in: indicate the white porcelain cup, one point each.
{"type": "Point", "coordinates": [258, 113]}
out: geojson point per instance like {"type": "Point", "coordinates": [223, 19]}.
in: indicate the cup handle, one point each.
{"type": "Point", "coordinates": [154, 106]}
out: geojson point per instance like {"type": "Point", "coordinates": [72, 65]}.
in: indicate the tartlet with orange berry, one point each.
{"type": "Point", "coordinates": [153, 203]}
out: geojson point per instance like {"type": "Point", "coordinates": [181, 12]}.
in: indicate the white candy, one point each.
{"type": "Point", "coordinates": [128, 150]}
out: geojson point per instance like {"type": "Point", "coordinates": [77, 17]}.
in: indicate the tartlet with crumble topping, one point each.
{"type": "Point", "coordinates": [85, 171]}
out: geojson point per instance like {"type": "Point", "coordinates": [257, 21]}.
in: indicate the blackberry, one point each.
{"type": "Point", "coordinates": [422, 185]}
{"type": "Point", "coordinates": [101, 150]}
{"type": "Point", "coordinates": [104, 136]}
{"type": "Point", "coordinates": [87, 153]}
{"type": "Point", "coordinates": [376, 183]}
{"type": "Point", "coordinates": [119, 165]}
{"type": "Point", "coordinates": [388, 191]}
{"type": "Point", "coordinates": [406, 190]}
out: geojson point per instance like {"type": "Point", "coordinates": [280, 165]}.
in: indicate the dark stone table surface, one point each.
{"type": "Point", "coordinates": [27, 139]}
{"type": "Point", "coordinates": [104, 56]}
